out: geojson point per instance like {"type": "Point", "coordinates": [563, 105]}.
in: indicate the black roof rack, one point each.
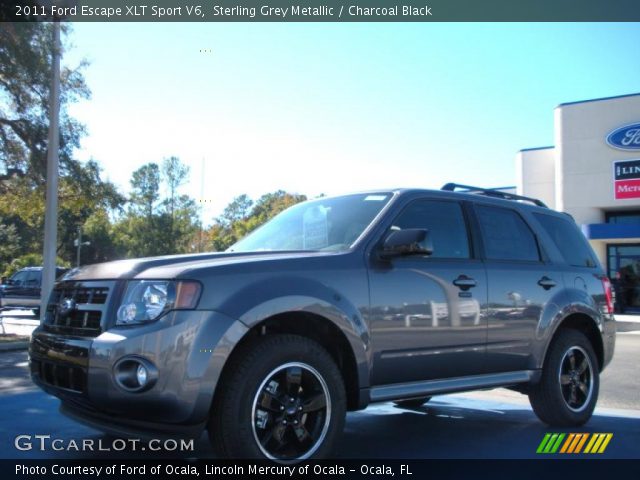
{"type": "Point", "coordinates": [491, 192]}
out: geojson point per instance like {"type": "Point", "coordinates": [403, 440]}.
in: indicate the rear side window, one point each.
{"type": "Point", "coordinates": [506, 236]}
{"type": "Point", "coordinates": [569, 240]}
{"type": "Point", "coordinates": [446, 225]}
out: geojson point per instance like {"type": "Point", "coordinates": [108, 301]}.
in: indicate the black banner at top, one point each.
{"type": "Point", "coordinates": [320, 10]}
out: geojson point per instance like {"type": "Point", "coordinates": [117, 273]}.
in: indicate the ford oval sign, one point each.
{"type": "Point", "coordinates": [625, 138]}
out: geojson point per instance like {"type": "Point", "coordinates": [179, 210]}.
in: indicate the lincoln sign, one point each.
{"type": "Point", "coordinates": [626, 176]}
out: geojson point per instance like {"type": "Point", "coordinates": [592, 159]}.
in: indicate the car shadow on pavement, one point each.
{"type": "Point", "coordinates": [442, 429]}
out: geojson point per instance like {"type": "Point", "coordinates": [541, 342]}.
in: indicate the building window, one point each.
{"type": "Point", "coordinates": [623, 265]}
{"type": "Point", "coordinates": [625, 218]}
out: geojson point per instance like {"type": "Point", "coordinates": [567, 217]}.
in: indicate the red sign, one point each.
{"type": "Point", "coordinates": [627, 189]}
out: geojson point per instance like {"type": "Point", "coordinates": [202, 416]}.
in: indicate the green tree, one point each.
{"type": "Point", "coordinates": [238, 209]}
{"type": "Point", "coordinates": [145, 185]}
{"type": "Point", "coordinates": [25, 76]}
{"type": "Point", "coordinates": [242, 216]}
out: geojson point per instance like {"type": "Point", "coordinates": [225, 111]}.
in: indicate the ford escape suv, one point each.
{"type": "Point", "coordinates": [334, 304]}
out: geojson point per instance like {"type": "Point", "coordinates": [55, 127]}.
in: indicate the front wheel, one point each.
{"type": "Point", "coordinates": [283, 399]}
{"type": "Point", "coordinates": [568, 390]}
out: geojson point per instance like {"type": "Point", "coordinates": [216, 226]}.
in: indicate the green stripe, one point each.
{"type": "Point", "coordinates": [547, 449]}
{"type": "Point", "coordinates": [557, 445]}
{"type": "Point", "coordinates": [543, 443]}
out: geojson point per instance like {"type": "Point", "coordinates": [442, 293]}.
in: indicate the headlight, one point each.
{"type": "Point", "coordinates": [145, 300]}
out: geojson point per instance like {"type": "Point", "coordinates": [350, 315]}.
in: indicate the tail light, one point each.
{"type": "Point", "coordinates": [608, 295]}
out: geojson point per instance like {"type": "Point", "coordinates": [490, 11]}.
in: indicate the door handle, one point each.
{"type": "Point", "coordinates": [546, 283]}
{"type": "Point", "coordinates": [464, 283]}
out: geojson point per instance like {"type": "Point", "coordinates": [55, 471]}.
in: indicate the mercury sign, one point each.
{"type": "Point", "coordinates": [626, 178]}
{"type": "Point", "coordinates": [625, 138]}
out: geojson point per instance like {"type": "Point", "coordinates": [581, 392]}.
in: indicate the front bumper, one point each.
{"type": "Point", "coordinates": [189, 349]}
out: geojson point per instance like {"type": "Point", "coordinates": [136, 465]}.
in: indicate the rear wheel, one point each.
{"type": "Point", "coordinates": [568, 390]}
{"type": "Point", "coordinates": [283, 399]}
{"type": "Point", "coordinates": [412, 402]}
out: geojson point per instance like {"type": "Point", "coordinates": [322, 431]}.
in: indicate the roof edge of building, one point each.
{"type": "Point", "coordinates": [536, 148]}
{"type": "Point", "coordinates": [598, 99]}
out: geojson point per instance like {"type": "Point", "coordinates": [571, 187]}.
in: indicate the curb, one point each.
{"type": "Point", "coordinates": [14, 346]}
{"type": "Point", "coordinates": [622, 326]}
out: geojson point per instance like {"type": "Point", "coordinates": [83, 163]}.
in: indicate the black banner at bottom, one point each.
{"type": "Point", "coordinates": [542, 469]}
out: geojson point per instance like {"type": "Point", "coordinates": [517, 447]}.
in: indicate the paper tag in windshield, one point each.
{"type": "Point", "coordinates": [315, 228]}
{"type": "Point", "coordinates": [375, 198]}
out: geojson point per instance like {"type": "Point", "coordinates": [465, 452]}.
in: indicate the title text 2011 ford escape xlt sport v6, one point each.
{"type": "Point", "coordinates": [334, 304]}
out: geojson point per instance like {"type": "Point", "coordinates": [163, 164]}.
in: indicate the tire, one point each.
{"type": "Point", "coordinates": [283, 399]}
{"type": "Point", "coordinates": [568, 389]}
{"type": "Point", "coordinates": [412, 402]}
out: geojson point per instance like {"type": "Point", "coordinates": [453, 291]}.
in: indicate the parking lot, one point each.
{"type": "Point", "coordinates": [488, 424]}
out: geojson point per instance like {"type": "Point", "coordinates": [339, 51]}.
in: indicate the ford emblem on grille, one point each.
{"type": "Point", "coordinates": [66, 306]}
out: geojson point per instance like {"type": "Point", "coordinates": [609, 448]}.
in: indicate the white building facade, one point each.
{"type": "Point", "coordinates": [593, 173]}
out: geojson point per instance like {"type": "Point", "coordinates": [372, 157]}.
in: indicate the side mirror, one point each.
{"type": "Point", "coordinates": [3, 280]}
{"type": "Point", "coordinates": [410, 241]}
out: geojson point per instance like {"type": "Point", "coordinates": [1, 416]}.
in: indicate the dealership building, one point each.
{"type": "Point", "coordinates": [593, 173]}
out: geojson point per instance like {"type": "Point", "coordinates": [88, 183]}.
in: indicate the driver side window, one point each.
{"type": "Point", "coordinates": [446, 225]}
{"type": "Point", "coordinates": [19, 279]}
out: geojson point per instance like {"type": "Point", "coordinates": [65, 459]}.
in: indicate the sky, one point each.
{"type": "Point", "coordinates": [331, 108]}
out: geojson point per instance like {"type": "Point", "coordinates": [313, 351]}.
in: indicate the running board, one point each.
{"type": "Point", "coordinates": [450, 385]}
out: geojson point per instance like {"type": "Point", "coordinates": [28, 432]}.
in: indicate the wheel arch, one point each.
{"type": "Point", "coordinates": [319, 329]}
{"type": "Point", "coordinates": [584, 323]}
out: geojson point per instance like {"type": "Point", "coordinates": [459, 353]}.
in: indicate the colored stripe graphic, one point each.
{"type": "Point", "coordinates": [567, 443]}
{"type": "Point", "coordinates": [550, 443]}
{"type": "Point", "coordinates": [581, 443]}
{"type": "Point", "coordinates": [543, 443]}
{"type": "Point", "coordinates": [597, 443]}
{"type": "Point", "coordinates": [606, 442]}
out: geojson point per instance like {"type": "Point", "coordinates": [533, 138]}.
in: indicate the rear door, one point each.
{"type": "Point", "coordinates": [32, 290]}
{"type": "Point", "coordinates": [426, 314]}
{"type": "Point", "coordinates": [520, 282]}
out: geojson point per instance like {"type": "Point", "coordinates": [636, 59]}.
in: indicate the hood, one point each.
{"type": "Point", "coordinates": [173, 266]}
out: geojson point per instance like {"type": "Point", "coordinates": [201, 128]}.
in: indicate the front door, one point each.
{"type": "Point", "coordinates": [426, 313]}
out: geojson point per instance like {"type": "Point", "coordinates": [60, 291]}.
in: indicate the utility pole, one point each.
{"type": "Point", "coordinates": [78, 243]}
{"type": "Point", "coordinates": [51, 208]}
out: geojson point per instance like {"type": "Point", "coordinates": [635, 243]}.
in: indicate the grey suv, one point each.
{"type": "Point", "coordinates": [334, 304]}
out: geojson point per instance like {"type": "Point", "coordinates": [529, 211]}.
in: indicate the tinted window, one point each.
{"type": "Point", "coordinates": [506, 236]}
{"type": "Point", "coordinates": [19, 278]}
{"type": "Point", "coordinates": [34, 278]}
{"type": "Point", "coordinates": [569, 240]}
{"type": "Point", "coordinates": [445, 223]}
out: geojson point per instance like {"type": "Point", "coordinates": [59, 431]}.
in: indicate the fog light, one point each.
{"type": "Point", "coordinates": [141, 375]}
{"type": "Point", "coordinates": [135, 374]}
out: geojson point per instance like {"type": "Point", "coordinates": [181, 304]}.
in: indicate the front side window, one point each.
{"type": "Point", "coordinates": [506, 236]}
{"type": "Point", "coordinates": [326, 224]}
{"type": "Point", "coordinates": [445, 222]}
{"type": "Point", "coordinates": [19, 279]}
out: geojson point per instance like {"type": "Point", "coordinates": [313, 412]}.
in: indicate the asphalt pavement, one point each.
{"type": "Point", "coordinates": [487, 424]}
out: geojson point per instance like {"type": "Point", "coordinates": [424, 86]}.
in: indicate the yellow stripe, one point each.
{"type": "Point", "coordinates": [567, 442]}
{"type": "Point", "coordinates": [575, 442]}
{"type": "Point", "coordinates": [584, 439]}
{"type": "Point", "coordinates": [606, 442]}
{"type": "Point", "coordinates": [601, 438]}
{"type": "Point", "coordinates": [594, 437]}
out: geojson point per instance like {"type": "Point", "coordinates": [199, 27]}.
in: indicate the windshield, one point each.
{"type": "Point", "coordinates": [331, 224]}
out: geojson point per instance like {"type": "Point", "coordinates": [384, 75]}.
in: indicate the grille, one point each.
{"type": "Point", "coordinates": [85, 318]}
{"type": "Point", "coordinates": [93, 295]}
{"type": "Point", "coordinates": [61, 376]}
